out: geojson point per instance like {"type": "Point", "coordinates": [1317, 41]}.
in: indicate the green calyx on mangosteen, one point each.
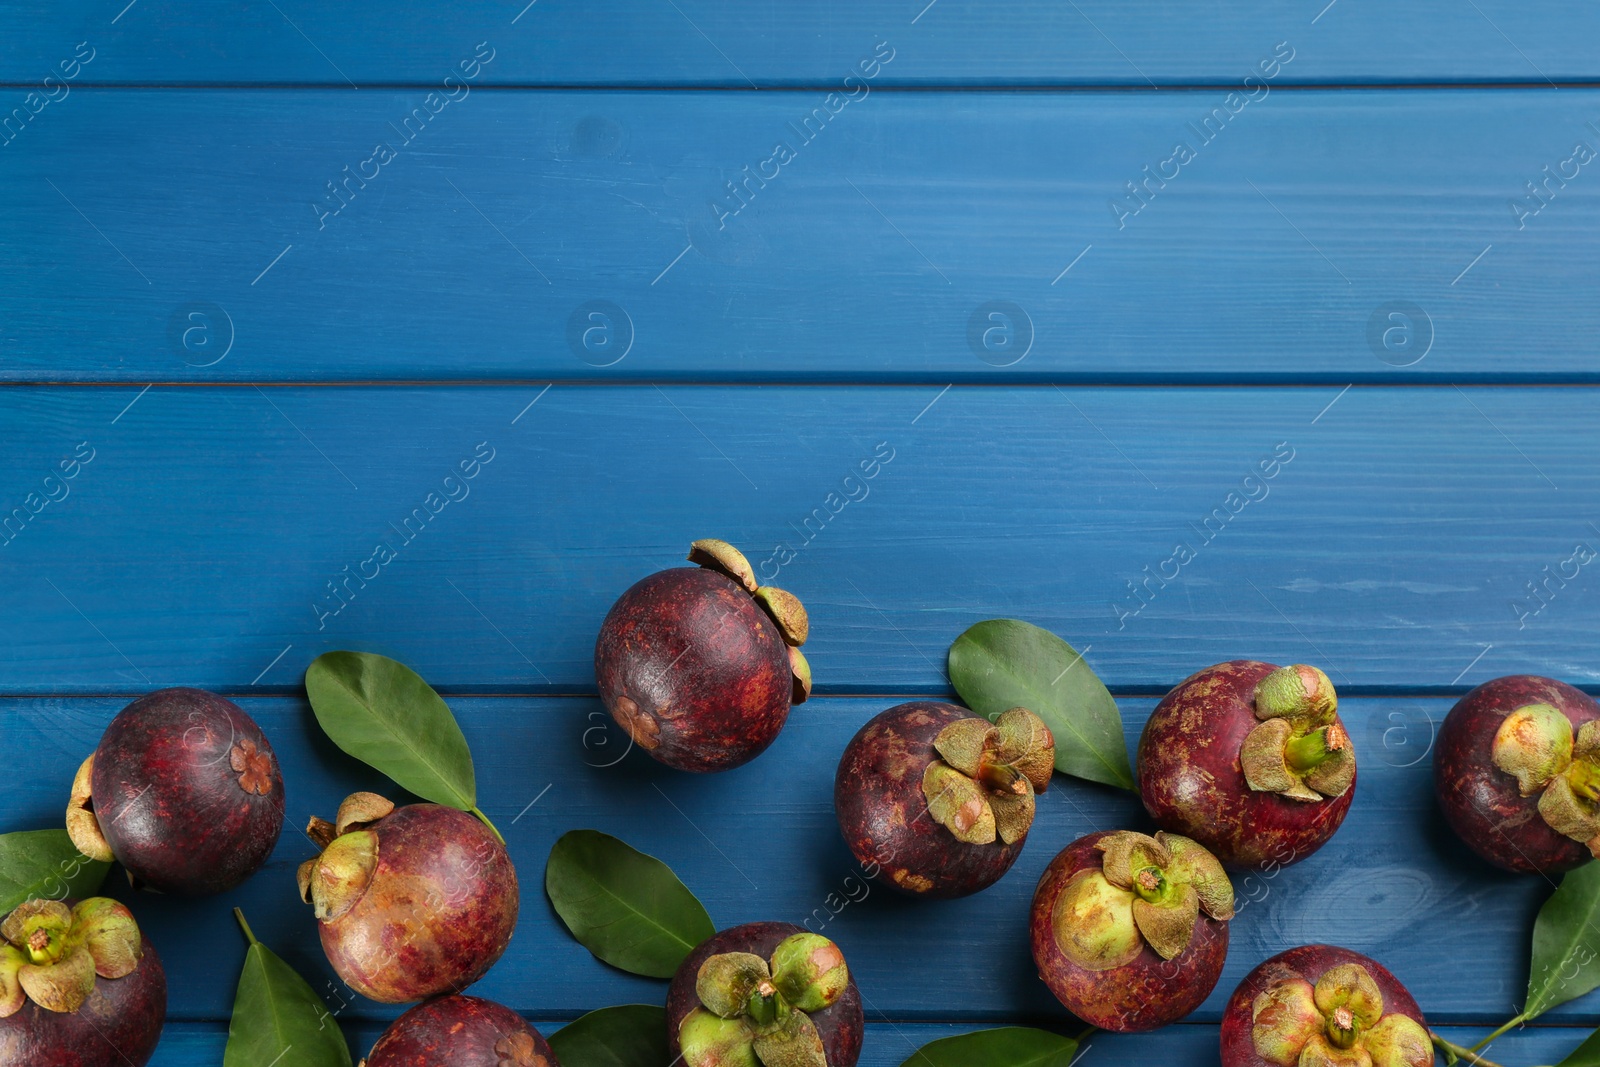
{"type": "Point", "coordinates": [983, 784]}
{"type": "Point", "coordinates": [1338, 1022]}
{"type": "Point", "coordinates": [1535, 744]}
{"type": "Point", "coordinates": [52, 952]}
{"type": "Point", "coordinates": [1149, 890]}
{"type": "Point", "coordinates": [79, 986]}
{"type": "Point", "coordinates": [756, 1013]}
{"type": "Point", "coordinates": [1300, 750]}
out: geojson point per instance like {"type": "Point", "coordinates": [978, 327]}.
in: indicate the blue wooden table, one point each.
{"type": "Point", "coordinates": [672, 269]}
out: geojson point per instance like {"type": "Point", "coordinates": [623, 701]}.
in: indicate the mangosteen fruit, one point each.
{"type": "Point", "coordinates": [79, 986]}
{"type": "Point", "coordinates": [1516, 768]}
{"type": "Point", "coordinates": [1251, 760]}
{"type": "Point", "coordinates": [410, 902]}
{"type": "Point", "coordinates": [936, 801]}
{"type": "Point", "coordinates": [461, 1031]}
{"type": "Point", "coordinates": [1321, 1006]}
{"type": "Point", "coordinates": [701, 664]}
{"type": "Point", "coordinates": [183, 790]}
{"type": "Point", "coordinates": [764, 995]}
{"type": "Point", "coordinates": [1130, 931]}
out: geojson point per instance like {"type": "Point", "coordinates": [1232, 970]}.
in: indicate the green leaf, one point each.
{"type": "Point", "coordinates": [1001, 664]}
{"type": "Point", "coordinates": [1009, 1046]}
{"type": "Point", "coordinates": [1586, 1054]}
{"type": "Point", "coordinates": [631, 1035]}
{"type": "Point", "coordinates": [44, 863]}
{"type": "Point", "coordinates": [628, 908]}
{"type": "Point", "coordinates": [383, 713]}
{"type": "Point", "coordinates": [1566, 943]}
{"type": "Point", "coordinates": [277, 1018]}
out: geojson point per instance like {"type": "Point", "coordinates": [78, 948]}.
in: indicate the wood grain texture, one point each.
{"type": "Point", "coordinates": [212, 529]}
{"type": "Point", "coordinates": [761, 842]}
{"type": "Point", "coordinates": [890, 1044]}
{"type": "Point", "coordinates": [768, 43]}
{"type": "Point", "coordinates": [197, 237]}
{"type": "Point", "coordinates": [951, 286]}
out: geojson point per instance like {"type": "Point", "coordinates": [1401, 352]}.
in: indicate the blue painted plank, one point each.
{"type": "Point", "coordinates": [213, 528]}
{"type": "Point", "coordinates": [1330, 236]}
{"type": "Point", "coordinates": [700, 42]}
{"type": "Point", "coordinates": [761, 842]}
{"type": "Point", "coordinates": [890, 1044]}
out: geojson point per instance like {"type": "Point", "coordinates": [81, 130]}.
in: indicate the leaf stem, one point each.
{"type": "Point", "coordinates": [1510, 1025]}
{"type": "Point", "coordinates": [248, 933]}
{"type": "Point", "coordinates": [492, 829]}
{"type": "Point", "coordinates": [1465, 1054]}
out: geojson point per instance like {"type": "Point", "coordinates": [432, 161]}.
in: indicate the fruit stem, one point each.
{"type": "Point", "coordinates": [763, 1004]}
{"type": "Point", "coordinates": [248, 933]}
{"type": "Point", "coordinates": [1449, 1048]}
{"type": "Point", "coordinates": [1305, 753]}
{"type": "Point", "coordinates": [492, 829]}
{"type": "Point", "coordinates": [1342, 1027]}
{"type": "Point", "coordinates": [1511, 1024]}
{"type": "Point", "coordinates": [1002, 778]}
{"type": "Point", "coordinates": [1150, 884]}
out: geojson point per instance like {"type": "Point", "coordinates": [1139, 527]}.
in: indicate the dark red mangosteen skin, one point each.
{"type": "Point", "coordinates": [1141, 995]}
{"type": "Point", "coordinates": [840, 1023]}
{"type": "Point", "coordinates": [1310, 962]}
{"type": "Point", "coordinates": [883, 813]}
{"type": "Point", "coordinates": [439, 910]}
{"type": "Point", "coordinates": [455, 1031]}
{"type": "Point", "coordinates": [694, 670]}
{"type": "Point", "coordinates": [171, 805]}
{"type": "Point", "coordinates": [1479, 800]}
{"type": "Point", "coordinates": [1192, 784]}
{"type": "Point", "coordinates": [118, 1026]}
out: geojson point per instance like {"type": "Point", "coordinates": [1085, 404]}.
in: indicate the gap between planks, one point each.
{"type": "Point", "coordinates": [824, 87]}
{"type": "Point", "coordinates": [1562, 380]}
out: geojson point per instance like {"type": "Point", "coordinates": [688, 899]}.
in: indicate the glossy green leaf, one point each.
{"type": "Point", "coordinates": [1586, 1054]}
{"type": "Point", "coordinates": [44, 863]}
{"type": "Point", "coordinates": [278, 1018]}
{"type": "Point", "coordinates": [628, 908]}
{"type": "Point", "coordinates": [381, 712]}
{"type": "Point", "coordinates": [1566, 943]}
{"type": "Point", "coordinates": [1008, 1046]}
{"type": "Point", "coordinates": [631, 1035]}
{"type": "Point", "coordinates": [1001, 664]}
